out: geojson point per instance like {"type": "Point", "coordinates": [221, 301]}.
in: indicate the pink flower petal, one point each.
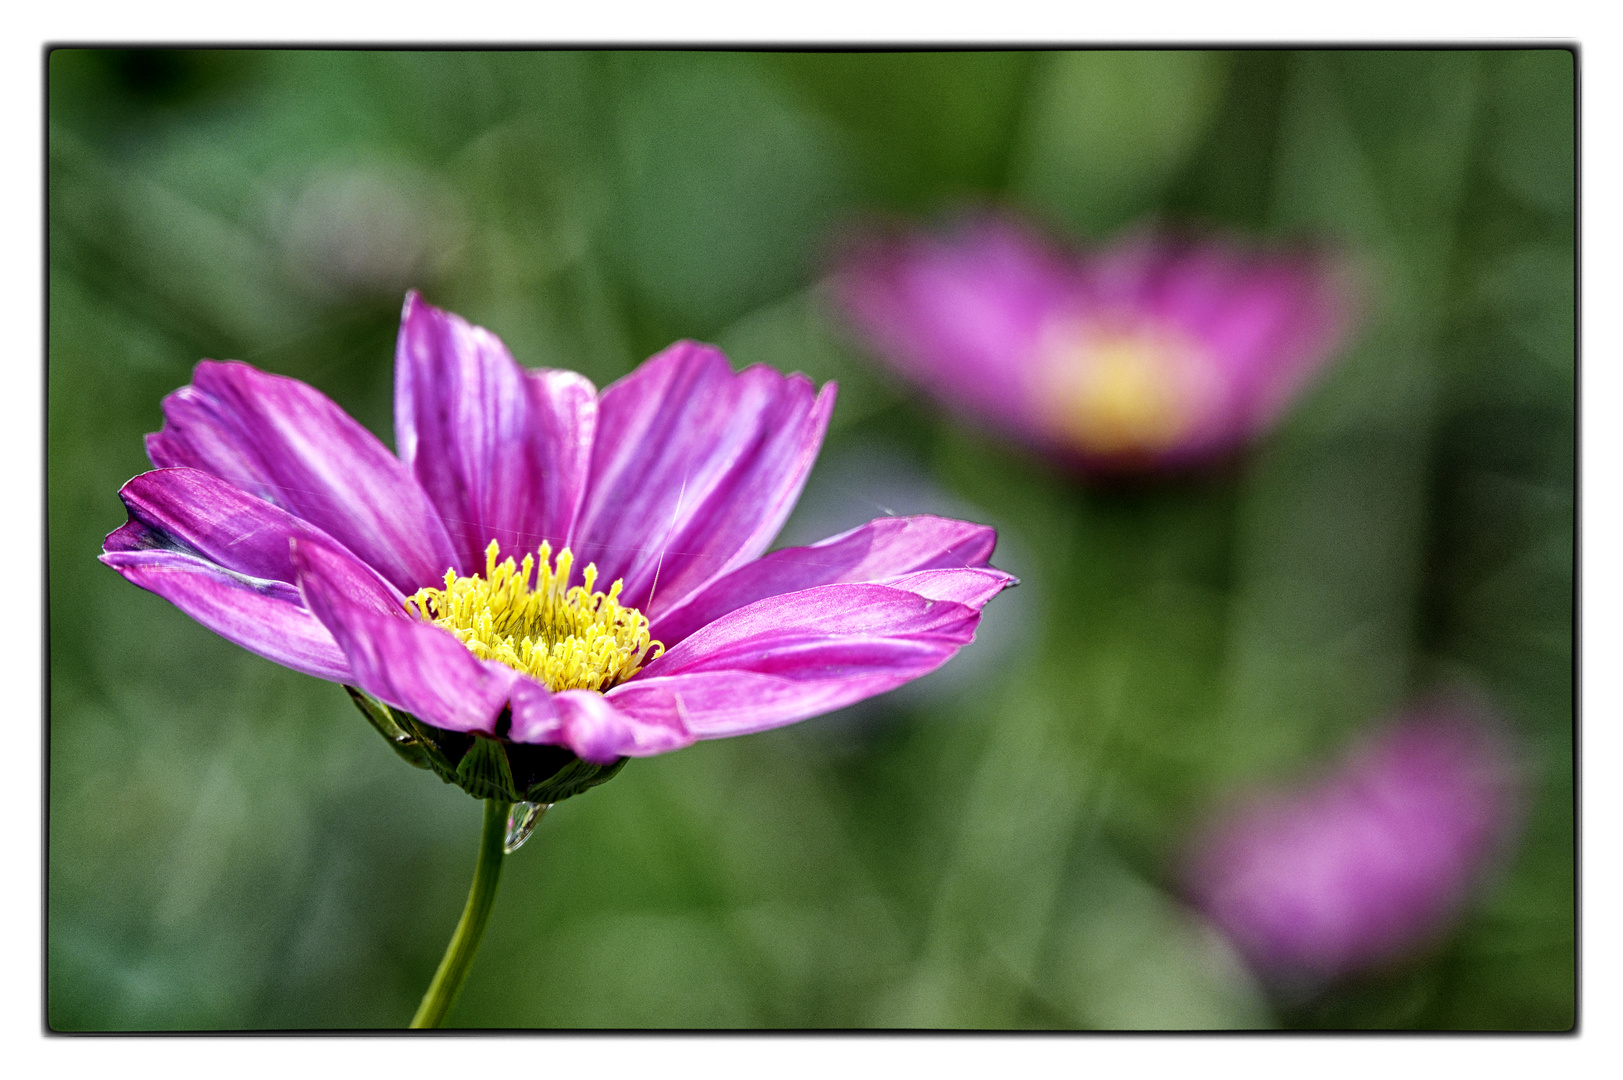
{"type": "Point", "coordinates": [717, 704]}
{"type": "Point", "coordinates": [563, 406]}
{"type": "Point", "coordinates": [501, 451]}
{"type": "Point", "coordinates": [881, 549]}
{"type": "Point", "coordinates": [966, 585]}
{"type": "Point", "coordinates": [196, 512]}
{"type": "Point", "coordinates": [1268, 318]}
{"type": "Point", "coordinates": [590, 725]}
{"type": "Point", "coordinates": [397, 658]}
{"type": "Point", "coordinates": [288, 444]}
{"type": "Point", "coordinates": [221, 556]}
{"type": "Point", "coordinates": [1370, 861]}
{"type": "Point", "coordinates": [788, 657]}
{"type": "Point", "coordinates": [961, 315]}
{"type": "Point", "coordinates": [265, 617]}
{"type": "Point", "coordinates": [694, 471]}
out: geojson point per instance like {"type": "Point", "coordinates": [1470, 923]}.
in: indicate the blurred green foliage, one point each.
{"type": "Point", "coordinates": [232, 847]}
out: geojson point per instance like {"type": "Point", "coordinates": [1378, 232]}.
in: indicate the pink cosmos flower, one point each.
{"type": "Point", "coordinates": [1370, 862]}
{"type": "Point", "coordinates": [460, 581]}
{"type": "Point", "coordinates": [1158, 352]}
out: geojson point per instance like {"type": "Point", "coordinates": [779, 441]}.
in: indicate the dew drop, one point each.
{"type": "Point", "coordinates": [521, 821]}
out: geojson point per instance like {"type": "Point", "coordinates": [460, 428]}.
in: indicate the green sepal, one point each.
{"type": "Point", "coordinates": [483, 771]}
{"type": "Point", "coordinates": [382, 718]}
{"type": "Point", "coordinates": [572, 779]}
{"type": "Point", "coordinates": [485, 766]}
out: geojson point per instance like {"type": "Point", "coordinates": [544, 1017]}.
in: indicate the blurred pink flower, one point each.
{"type": "Point", "coordinates": [1370, 862]}
{"type": "Point", "coordinates": [1156, 353]}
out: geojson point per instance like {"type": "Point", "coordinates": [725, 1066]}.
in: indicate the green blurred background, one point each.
{"type": "Point", "coordinates": [231, 846]}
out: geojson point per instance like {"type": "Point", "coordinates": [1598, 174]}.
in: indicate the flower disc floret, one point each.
{"type": "Point", "coordinates": [566, 637]}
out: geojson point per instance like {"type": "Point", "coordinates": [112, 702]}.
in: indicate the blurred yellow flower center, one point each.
{"type": "Point", "coordinates": [1120, 393]}
{"type": "Point", "coordinates": [568, 638]}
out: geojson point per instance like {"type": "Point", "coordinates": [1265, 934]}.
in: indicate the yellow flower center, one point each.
{"type": "Point", "coordinates": [1122, 392]}
{"type": "Point", "coordinates": [568, 638]}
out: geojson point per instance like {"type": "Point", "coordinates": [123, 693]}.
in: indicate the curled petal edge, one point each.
{"type": "Point", "coordinates": [409, 664]}
{"type": "Point", "coordinates": [590, 725]}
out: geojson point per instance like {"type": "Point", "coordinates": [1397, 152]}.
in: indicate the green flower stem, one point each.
{"type": "Point", "coordinates": [453, 970]}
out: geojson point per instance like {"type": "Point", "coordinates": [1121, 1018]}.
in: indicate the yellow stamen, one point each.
{"type": "Point", "coordinates": [1122, 391]}
{"type": "Point", "coordinates": [568, 638]}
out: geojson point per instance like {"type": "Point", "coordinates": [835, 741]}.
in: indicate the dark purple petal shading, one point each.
{"type": "Point", "coordinates": [502, 452]}
{"type": "Point", "coordinates": [288, 444]}
{"type": "Point", "coordinates": [221, 556]}
{"type": "Point", "coordinates": [265, 617]}
{"type": "Point", "coordinates": [789, 657]}
{"type": "Point", "coordinates": [395, 657]}
{"type": "Point", "coordinates": [196, 512]}
{"type": "Point", "coordinates": [587, 723]}
{"type": "Point", "coordinates": [883, 548]}
{"type": "Point", "coordinates": [694, 471]}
